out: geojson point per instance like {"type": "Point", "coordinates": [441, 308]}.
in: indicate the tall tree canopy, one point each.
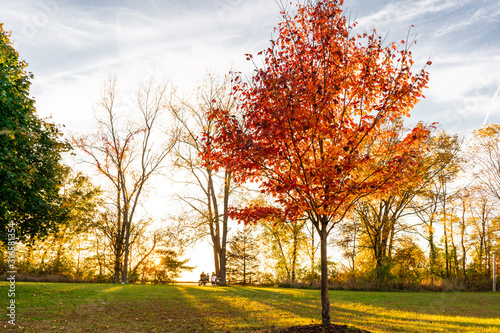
{"type": "Point", "coordinates": [30, 153]}
{"type": "Point", "coordinates": [314, 122]}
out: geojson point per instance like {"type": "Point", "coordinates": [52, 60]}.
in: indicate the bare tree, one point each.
{"type": "Point", "coordinates": [213, 188]}
{"type": "Point", "coordinates": [127, 154]}
{"type": "Point", "coordinates": [485, 148]}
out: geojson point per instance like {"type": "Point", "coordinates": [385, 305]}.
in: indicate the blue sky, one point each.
{"type": "Point", "coordinates": [72, 46]}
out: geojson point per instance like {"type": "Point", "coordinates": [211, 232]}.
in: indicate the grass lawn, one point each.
{"type": "Point", "coordinates": [61, 307]}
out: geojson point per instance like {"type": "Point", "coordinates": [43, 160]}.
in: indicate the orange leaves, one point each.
{"type": "Point", "coordinates": [314, 124]}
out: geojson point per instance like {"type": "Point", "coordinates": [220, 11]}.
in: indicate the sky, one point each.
{"type": "Point", "coordinates": [73, 46]}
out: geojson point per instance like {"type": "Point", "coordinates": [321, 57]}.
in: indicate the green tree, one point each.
{"type": "Point", "coordinates": [60, 251]}
{"type": "Point", "coordinates": [30, 153]}
{"type": "Point", "coordinates": [409, 260]}
{"type": "Point", "coordinates": [242, 257]}
{"type": "Point", "coordinates": [287, 241]}
{"type": "Point", "coordinates": [170, 266]}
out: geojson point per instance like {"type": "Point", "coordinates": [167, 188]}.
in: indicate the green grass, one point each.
{"type": "Point", "coordinates": [53, 307]}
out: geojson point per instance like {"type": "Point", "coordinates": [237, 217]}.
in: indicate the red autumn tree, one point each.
{"type": "Point", "coordinates": [314, 125]}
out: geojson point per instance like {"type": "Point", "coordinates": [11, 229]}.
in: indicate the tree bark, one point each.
{"type": "Point", "coordinates": [294, 256]}
{"type": "Point", "coordinates": [225, 218]}
{"type": "Point", "coordinates": [325, 301]}
{"type": "Point", "coordinates": [118, 267]}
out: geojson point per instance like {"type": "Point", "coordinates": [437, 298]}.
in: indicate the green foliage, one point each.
{"type": "Point", "coordinates": [283, 244]}
{"type": "Point", "coordinates": [59, 252]}
{"type": "Point", "coordinates": [242, 261]}
{"type": "Point", "coordinates": [30, 153]}
{"type": "Point", "coordinates": [171, 266]}
{"type": "Point", "coordinates": [409, 261]}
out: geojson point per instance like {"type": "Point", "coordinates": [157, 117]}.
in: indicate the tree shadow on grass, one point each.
{"type": "Point", "coordinates": [260, 307]}
{"type": "Point", "coordinates": [246, 309]}
{"type": "Point", "coordinates": [391, 320]}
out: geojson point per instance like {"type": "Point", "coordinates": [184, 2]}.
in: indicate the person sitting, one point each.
{"type": "Point", "coordinates": [203, 279]}
{"type": "Point", "coordinates": [214, 279]}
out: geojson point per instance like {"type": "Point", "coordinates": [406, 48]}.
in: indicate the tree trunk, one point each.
{"type": "Point", "coordinates": [118, 267]}
{"type": "Point", "coordinates": [125, 259]}
{"type": "Point", "coordinates": [312, 255]}
{"type": "Point", "coordinates": [244, 268]}
{"type": "Point", "coordinates": [294, 256]}
{"type": "Point", "coordinates": [354, 251]}
{"type": "Point", "coordinates": [432, 251]}
{"type": "Point", "coordinates": [225, 218]}
{"type": "Point", "coordinates": [325, 302]}
{"type": "Point", "coordinates": [119, 232]}
{"type": "Point", "coordinates": [127, 222]}
{"type": "Point", "coordinates": [216, 260]}
{"type": "Point", "coordinates": [446, 250]}
{"type": "Point", "coordinates": [222, 276]}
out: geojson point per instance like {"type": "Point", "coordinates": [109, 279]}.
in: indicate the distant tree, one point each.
{"type": "Point", "coordinates": [311, 251]}
{"type": "Point", "coordinates": [409, 260]}
{"type": "Point", "coordinates": [485, 147]}
{"type": "Point", "coordinates": [287, 242]}
{"type": "Point", "coordinates": [31, 171]}
{"type": "Point", "coordinates": [127, 154]}
{"type": "Point", "coordinates": [382, 218]}
{"type": "Point", "coordinates": [80, 200]}
{"type": "Point", "coordinates": [170, 266]}
{"type": "Point", "coordinates": [465, 199]}
{"type": "Point", "coordinates": [58, 252]}
{"type": "Point", "coordinates": [443, 164]}
{"type": "Point", "coordinates": [208, 190]}
{"type": "Point", "coordinates": [483, 215]}
{"type": "Point", "coordinates": [242, 257]}
{"type": "Point", "coordinates": [485, 156]}
{"type": "Point", "coordinates": [348, 241]}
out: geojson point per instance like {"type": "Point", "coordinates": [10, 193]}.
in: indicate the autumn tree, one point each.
{"type": "Point", "coordinates": [310, 126]}
{"type": "Point", "coordinates": [383, 218]}
{"type": "Point", "coordinates": [127, 154]}
{"type": "Point", "coordinates": [483, 213]}
{"type": "Point", "coordinates": [380, 218]}
{"type": "Point", "coordinates": [208, 190]}
{"type": "Point", "coordinates": [409, 260]}
{"type": "Point", "coordinates": [485, 150]}
{"type": "Point", "coordinates": [444, 163]}
{"type": "Point", "coordinates": [464, 201]}
{"type": "Point", "coordinates": [286, 241]}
